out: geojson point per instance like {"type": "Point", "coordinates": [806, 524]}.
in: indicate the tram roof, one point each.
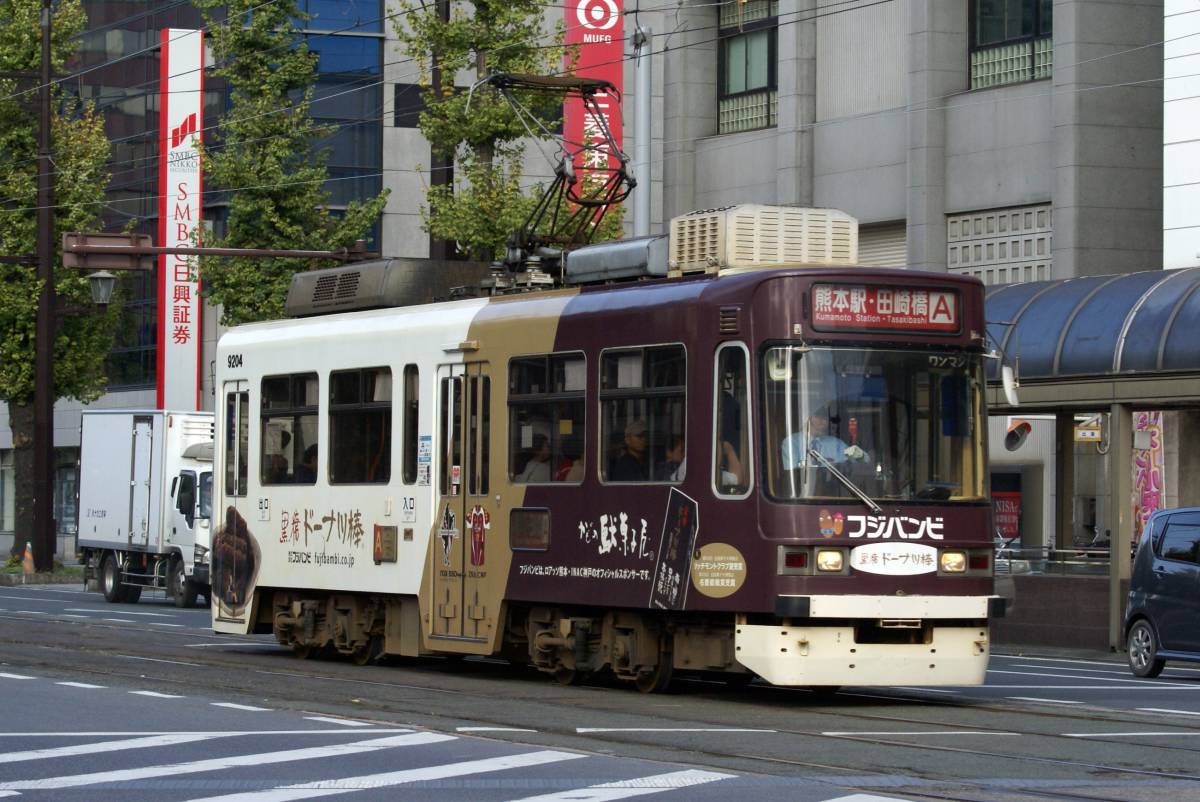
{"type": "Point", "coordinates": [1130, 326]}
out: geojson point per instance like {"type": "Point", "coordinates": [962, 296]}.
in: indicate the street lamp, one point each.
{"type": "Point", "coordinates": [102, 283]}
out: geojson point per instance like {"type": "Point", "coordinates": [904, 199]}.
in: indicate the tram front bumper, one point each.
{"type": "Point", "coordinates": [949, 643]}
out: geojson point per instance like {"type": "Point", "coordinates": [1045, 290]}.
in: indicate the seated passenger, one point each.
{"type": "Point", "coordinates": [631, 465]}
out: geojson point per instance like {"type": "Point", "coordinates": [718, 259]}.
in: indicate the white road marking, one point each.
{"type": "Point", "coordinates": [103, 746]}
{"type": "Point", "coordinates": [235, 706]}
{"type": "Point", "coordinates": [156, 694]}
{"type": "Point", "coordinates": [123, 612]}
{"type": "Point", "coordinates": [156, 660]}
{"type": "Point", "coordinates": [1149, 686]}
{"type": "Point", "coordinates": [23, 598]}
{"type": "Point", "coordinates": [1123, 734]}
{"type": "Point", "coordinates": [222, 763]}
{"type": "Point", "coordinates": [1115, 670]}
{"type": "Point", "coordinates": [211, 734]}
{"type": "Point", "coordinates": [491, 729]}
{"type": "Point", "coordinates": [1047, 701]}
{"type": "Point", "coordinates": [640, 786]}
{"type": "Point", "coordinates": [1167, 710]}
{"type": "Point", "coordinates": [345, 722]}
{"type": "Point", "coordinates": [6, 675]}
{"type": "Point", "coordinates": [31, 612]}
{"type": "Point", "coordinates": [79, 685]}
{"type": "Point", "coordinates": [310, 790]}
{"type": "Point", "coordinates": [924, 690]}
{"type": "Point", "coordinates": [119, 620]}
{"type": "Point", "coordinates": [236, 644]}
{"type": "Point", "coordinates": [666, 729]}
{"type": "Point", "coordinates": [72, 615]}
{"type": "Point", "coordinates": [916, 732]}
{"type": "Point", "coordinates": [863, 798]}
{"type": "Point", "coordinates": [1128, 678]}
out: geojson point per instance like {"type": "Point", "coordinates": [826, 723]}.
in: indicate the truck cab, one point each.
{"type": "Point", "coordinates": [191, 524]}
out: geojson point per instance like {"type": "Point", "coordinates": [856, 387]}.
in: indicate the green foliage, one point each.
{"type": "Point", "coordinates": [80, 150]}
{"type": "Point", "coordinates": [488, 201]}
{"type": "Point", "coordinates": [266, 158]}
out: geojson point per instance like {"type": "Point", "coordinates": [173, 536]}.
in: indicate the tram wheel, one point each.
{"type": "Point", "coordinates": [367, 652]}
{"type": "Point", "coordinates": [567, 676]}
{"type": "Point", "coordinates": [659, 678]}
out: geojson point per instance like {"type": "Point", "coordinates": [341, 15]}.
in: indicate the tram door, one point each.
{"type": "Point", "coordinates": [461, 605]}
{"type": "Point", "coordinates": [232, 558]}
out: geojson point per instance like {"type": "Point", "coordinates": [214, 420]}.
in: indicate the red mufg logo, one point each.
{"type": "Point", "coordinates": [180, 133]}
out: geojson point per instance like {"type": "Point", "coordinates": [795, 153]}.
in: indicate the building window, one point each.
{"type": "Point", "coordinates": [1011, 41]}
{"type": "Point", "coordinates": [7, 489]}
{"type": "Point", "coordinates": [545, 407]}
{"type": "Point", "coordinates": [133, 361]}
{"type": "Point", "coordinates": [408, 105]}
{"type": "Point", "coordinates": [643, 396]}
{"type": "Point", "coordinates": [1002, 246]}
{"type": "Point", "coordinates": [66, 491]}
{"type": "Point", "coordinates": [746, 64]}
{"type": "Point", "coordinates": [289, 429]}
{"type": "Point", "coordinates": [360, 426]}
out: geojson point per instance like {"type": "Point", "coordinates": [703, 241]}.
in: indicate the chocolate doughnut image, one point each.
{"type": "Point", "coordinates": [234, 561]}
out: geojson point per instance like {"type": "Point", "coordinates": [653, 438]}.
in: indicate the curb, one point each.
{"type": "Point", "coordinates": [16, 580]}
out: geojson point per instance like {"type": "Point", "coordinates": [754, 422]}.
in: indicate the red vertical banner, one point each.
{"type": "Point", "coordinates": [181, 122]}
{"type": "Point", "coordinates": [1149, 473]}
{"type": "Point", "coordinates": [1006, 512]}
{"type": "Point", "coordinates": [596, 29]}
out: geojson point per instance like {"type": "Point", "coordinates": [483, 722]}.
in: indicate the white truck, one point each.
{"type": "Point", "coordinates": [145, 502]}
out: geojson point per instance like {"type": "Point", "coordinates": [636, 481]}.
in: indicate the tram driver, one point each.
{"type": "Point", "coordinates": [816, 434]}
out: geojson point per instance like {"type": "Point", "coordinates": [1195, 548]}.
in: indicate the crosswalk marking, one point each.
{"type": "Point", "coordinates": [13, 676]}
{"type": "Point", "coordinates": [104, 746]}
{"type": "Point", "coordinates": [79, 685]}
{"type": "Point", "coordinates": [156, 694]}
{"type": "Point", "coordinates": [221, 763]}
{"type": "Point", "coordinates": [640, 786]}
{"type": "Point", "coordinates": [311, 790]}
{"type": "Point", "coordinates": [235, 706]}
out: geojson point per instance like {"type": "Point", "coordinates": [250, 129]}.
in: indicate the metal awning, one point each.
{"type": "Point", "coordinates": [1095, 340]}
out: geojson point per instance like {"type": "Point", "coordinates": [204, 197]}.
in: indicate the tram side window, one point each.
{"type": "Point", "coordinates": [643, 398]}
{"type": "Point", "coordinates": [411, 422]}
{"type": "Point", "coordinates": [360, 426]}
{"type": "Point", "coordinates": [731, 438]}
{"type": "Point", "coordinates": [288, 433]}
{"type": "Point", "coordinates": [546, 418]}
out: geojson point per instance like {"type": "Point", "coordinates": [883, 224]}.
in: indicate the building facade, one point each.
{"type": "Point", "coordinates": [1012, 140]}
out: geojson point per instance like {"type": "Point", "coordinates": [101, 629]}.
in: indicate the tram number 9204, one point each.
{"type": "Point", "coordinates": [235, 360]}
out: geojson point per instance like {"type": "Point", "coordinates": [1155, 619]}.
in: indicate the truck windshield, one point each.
{"type": "Point", "coordinates": [900, 425]}
{"type": "Point", "coordinates": [206, 494]}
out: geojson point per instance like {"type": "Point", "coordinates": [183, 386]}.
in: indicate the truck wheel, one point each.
{"type": "Point", "coordinates": [132, 594]}
{"type": "Point", "coordinates": [110, 579]}
{"type": "Point", "coordinates": [183, 590]}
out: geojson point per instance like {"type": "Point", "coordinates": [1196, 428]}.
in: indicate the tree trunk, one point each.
{"type": "Point", "coordinates": [20, 418]}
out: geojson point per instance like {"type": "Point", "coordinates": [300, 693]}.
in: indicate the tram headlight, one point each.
{"type": "Point", "coordinates": [953, 562]}
{"type": "Point", "coordinates": [829, 560]}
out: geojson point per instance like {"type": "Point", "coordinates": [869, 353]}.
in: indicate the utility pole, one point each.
{"type": "Point", "coordinates": [43, 383]}
{"type": "Point", "coordinates": [642, 39]}
{"type": "Point", "coordinates": [441, 169]}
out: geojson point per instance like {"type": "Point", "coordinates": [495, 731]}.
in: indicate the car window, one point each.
{"type": "Point", "coordinates": [1181, 541]}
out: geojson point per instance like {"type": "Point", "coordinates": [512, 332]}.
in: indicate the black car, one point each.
{"type": "Point", "coordinates": [1162, 619]}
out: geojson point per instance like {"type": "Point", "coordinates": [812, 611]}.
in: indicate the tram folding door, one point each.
{"type": "Point", "coordinates": [233, 558]}
{"type": "Point", "coordinates": [464, 603]}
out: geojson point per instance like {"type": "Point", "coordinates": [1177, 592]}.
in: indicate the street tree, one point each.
{"type": "Point", "coordinates": [266, 157]}
{"type": "Point", "coordinates": [83, 333]}
{"type": "Point", "coordinates": [479, 131]}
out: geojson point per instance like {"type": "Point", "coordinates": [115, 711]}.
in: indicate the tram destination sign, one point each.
{"type": "Point", "coordinates": [859, 307]}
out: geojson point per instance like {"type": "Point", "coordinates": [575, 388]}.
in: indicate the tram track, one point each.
{"type": "Point", "coordinates": [224, 674]}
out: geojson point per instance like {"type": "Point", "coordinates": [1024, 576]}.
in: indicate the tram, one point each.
{"type": "Point", "coordinates": [740, 456]}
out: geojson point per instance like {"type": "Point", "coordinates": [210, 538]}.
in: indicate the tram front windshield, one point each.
{"type": "Point", "coordinates": [896, 425]}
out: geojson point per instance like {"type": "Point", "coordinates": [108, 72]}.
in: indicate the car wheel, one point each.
{"type": "Point", "coordinates": [1143, 648]}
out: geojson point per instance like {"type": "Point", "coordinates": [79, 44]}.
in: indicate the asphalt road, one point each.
{"type": "Point", "coordinates": [145, 702]}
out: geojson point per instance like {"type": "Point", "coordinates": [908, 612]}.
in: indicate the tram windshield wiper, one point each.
{"type": "Point", "coordinates": [841, 477]}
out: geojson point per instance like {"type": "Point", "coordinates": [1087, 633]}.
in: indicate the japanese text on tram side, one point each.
{"type": "Point", "coordinates": [333, 528]}
{"type": "Point", "coordinates": [586, 572]}
{"type": "Point", "coordinates": [614, 535]}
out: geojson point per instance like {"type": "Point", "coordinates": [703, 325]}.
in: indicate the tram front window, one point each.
{"type": "Point", "coordinates": [899, 425]}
